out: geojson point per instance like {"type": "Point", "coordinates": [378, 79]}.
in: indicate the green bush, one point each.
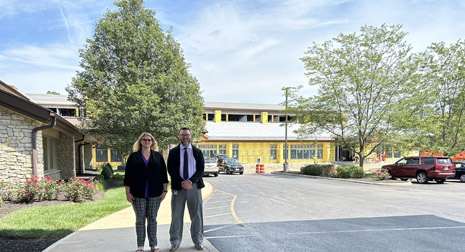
{"type": "Point", "coordinates": [108, 165]}
{"type": "Point", "coordinates": [78, 189]}
{"type": "Point", "coordinates": [314, 169]}
{"type": "Point", "coordinates": [117, 176]}
{"type": "Point", "coordinates": [1, 202]}
{"type": "Point", "coordinates": [350, 171]}
{"type": "Point", "coordinates": [107, 171]}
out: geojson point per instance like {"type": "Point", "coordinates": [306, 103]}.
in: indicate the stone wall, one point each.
{"type": "Point", "coordinates": [65, 156]}
{"type": "Point", "coordinates": [16, 146]}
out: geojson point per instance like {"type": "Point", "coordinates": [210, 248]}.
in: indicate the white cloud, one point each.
{"type": "Point", "coordinates": [54, 56]}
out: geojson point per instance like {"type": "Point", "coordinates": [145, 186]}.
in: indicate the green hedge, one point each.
{"type": "Point", "coordinates": [314, 169]}
{"type": "Point", "coordinates": [325, 170]}
{"type": "Point", "coordinates": [350, 171]}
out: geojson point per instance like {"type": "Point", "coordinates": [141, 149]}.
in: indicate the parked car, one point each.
{"type": "Point", "coordinates": [210, 167]}
{"type": "Point", "coordinates": [459, 171]}
{"type": "Point", "coordinates": [423, 168]}
{"type": "Point", "coordinates": [230, 166]}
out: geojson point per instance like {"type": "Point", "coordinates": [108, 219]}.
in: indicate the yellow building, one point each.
{"type": "Point", "coordinates": [249, 132]}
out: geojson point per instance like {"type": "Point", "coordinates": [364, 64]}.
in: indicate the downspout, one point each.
{"type": "Point", "coordinates": [34, 141]}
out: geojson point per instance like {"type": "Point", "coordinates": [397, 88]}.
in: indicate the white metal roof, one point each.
{"type": "Point", "coordinates": [255, 131]}
{"type": "Point", "coordinates": [242, 106]}
{"type": "Point", "coordinates": [48, 100]}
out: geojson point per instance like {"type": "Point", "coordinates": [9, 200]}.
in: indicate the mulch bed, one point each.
{"type": "Point", "coordinates": [371, 180]}
{"type": "Point", "coordinates": [37, 245]}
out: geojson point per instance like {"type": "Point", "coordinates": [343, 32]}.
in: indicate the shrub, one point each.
{"type": "Point", "coordinates": [5, 190]}
{"type": "Point", "coordinates": [117, 176]}
{"type": "Point", "coordinates": [78, 189]}
{"type": "Point", "coordinates": [382, 175]}
{"type": "Point", "coordinates": [350, 171]}
{"type": "Point", "coordinates": [1, 202]}
{"type": "Point", "coordinates": [107, 171]}
{"type": "Point", "coordinates": [314, 169]}
{"type": "Point", "coordinates": [328, 171]}
{"type": "Point", "coordinates": [108, 165]}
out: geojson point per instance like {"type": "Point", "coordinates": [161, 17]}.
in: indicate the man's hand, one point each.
{"type": "Point", "coordinates": [186, 185]}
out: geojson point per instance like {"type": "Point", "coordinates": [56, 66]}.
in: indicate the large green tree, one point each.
{"type": "Point", "coordinates": [365, 82]}
{"type": "Point", "coordinates": [134, 79]}
{"type": "Point", "coordinates": [440, 125]}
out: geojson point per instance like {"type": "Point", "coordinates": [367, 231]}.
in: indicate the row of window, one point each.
{"type": "Point", "coordinates": [101, 154]}
{"type": "Point", "coordinates": [247, 118]}
{"type": "Point", "coordinates": [303, 151]}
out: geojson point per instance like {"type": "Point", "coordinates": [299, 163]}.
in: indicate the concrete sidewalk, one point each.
{"type": "Point", "coordinates": [117, 232]}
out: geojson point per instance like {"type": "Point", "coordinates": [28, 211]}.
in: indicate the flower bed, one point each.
{"type": "Point", "coordinates": [37, 189]}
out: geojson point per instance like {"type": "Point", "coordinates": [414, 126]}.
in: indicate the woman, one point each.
{"type": "Point", "coordinates": [146, 183]}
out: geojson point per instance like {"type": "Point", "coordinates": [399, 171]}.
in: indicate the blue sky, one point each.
{"type": "Point", "coordinates": [239, 50]}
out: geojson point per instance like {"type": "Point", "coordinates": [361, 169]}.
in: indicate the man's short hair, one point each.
{"type": "Point", "coordinates": [185, 128]}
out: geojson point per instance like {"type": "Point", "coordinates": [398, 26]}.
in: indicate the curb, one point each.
{"type": "Point", "coordinates": [380, 182]}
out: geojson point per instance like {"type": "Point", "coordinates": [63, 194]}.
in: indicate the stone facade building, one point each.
{"type": "Point", "coordinates": [35, 141]}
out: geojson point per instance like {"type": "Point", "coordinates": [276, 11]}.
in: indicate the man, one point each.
{"type": "Point", "coordinates": [185, 166]}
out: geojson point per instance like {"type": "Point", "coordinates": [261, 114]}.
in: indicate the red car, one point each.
{"type": "Point", "coordinates": [423, 168]}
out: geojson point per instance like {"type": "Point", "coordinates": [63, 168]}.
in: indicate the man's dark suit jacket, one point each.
{"type": "Point", "coordinates": [174, 163]}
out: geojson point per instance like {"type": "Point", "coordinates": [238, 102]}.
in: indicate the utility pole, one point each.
{"type": "Point", "coordinates": [286, 152]}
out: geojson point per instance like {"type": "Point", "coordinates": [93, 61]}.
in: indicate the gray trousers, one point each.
{"type": "Point", "coordinates": [193, 198]}
{"type": "Point", "coordinates": [146, 209]}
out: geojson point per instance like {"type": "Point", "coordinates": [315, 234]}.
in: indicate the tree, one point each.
{"type": "Point", "coordinates": [365, 83]}
{"type": "Point", "coordinates": [53, 93]}
{"type": "Point", "coordinates": [440, 125]}
{"type": "Point", "coordinates": [134, 79]}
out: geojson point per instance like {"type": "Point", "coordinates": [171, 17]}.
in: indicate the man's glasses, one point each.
{"type": "Point", "coordinates": [184, 135]}
{"type": "Point", "coordinates": [147, 140]}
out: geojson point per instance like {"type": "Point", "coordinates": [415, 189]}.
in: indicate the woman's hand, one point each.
{"type": "Point", "coordinates": [129, 197]}
{"type": "Point", "coordinates": [162, 196]}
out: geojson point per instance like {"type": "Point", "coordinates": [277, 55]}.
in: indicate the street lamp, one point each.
{"type": "Point", "coordinates": [286, 152]}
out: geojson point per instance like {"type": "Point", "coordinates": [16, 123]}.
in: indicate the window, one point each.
{"type": "Point", "coordinates": [49, 146]}
{"type": "Point", "coordinates": [208, 150]}
{"type": "Point", "coordinates": [101, 153]}
{"type": "Point", "coordinates": [222, 148]}
{"type": "Point", "coordinates": [68, 112]}
{"type": "Point", "coordinates": [235, 151]}
{"type": "Point", "coordinates": [444, 161]}
{"type": "Point", "coordinates": [397, 154]}
{"type": "Point", "coordinates": [319, 151]}
{"type": "Point", "coordinates": [306, 151]}
{"type": "Point", "coordinates": [428, 160]}
{"type": "Point", "coordinates": [115, 156]}
{"type": "Point", "coordinates": [413, 161]}
{"type": "Point", "coordinates": [312, 150]}
{"type": "Point", "coordinates": [273, 151]}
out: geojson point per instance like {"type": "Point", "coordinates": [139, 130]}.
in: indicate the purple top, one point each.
{"type": "Point", "coordinates": [146, 167]}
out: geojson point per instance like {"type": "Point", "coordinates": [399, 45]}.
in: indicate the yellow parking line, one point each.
{"type": "Point", "coordinates": [215, 207]}
{"type": "Point", "coordinates": [216, 215]}
{"type": "Point", "coordinates": [222, 201]}
{"type": "Point", "coordinates": [233, 212]}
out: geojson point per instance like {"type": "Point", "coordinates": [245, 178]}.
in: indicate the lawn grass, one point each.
{"type": "Point", "coordinates": [61, 220]}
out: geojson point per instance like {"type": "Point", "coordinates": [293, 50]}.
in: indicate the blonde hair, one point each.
{"type": "Point", "coordinates": [137, 145]}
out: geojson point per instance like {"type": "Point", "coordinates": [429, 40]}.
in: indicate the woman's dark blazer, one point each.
{"type": "Point", "coordinates": [174, 164]}
{"type": "Point", "coordinates": [136, 176]}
